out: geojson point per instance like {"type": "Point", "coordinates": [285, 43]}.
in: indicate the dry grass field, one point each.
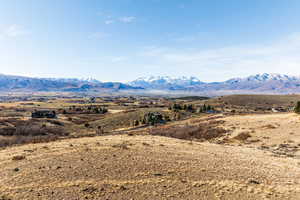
{"type": "Point", "coordinates": [224, 155]}
{"type": "Point", "coordinates": [255, 103]}
{"type": "Point", "coordinates": [260, 100]}
{"type": "Point", "coordinates": [145, 167]}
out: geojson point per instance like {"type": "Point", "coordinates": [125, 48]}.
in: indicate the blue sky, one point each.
{"type": "Point", "coordinates": [121, 40]}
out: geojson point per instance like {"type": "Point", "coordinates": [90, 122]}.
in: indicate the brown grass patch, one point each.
{"type": "Point", "coordinates": [17, 140]}
{"type": "Point", "coordinates": [4, 197]}
{"type": "Point", "coordinates": [205, 131]}
{"type": "Point", "coordinates": [242, 136]}
{"type": "Point", "coordinates": [17, 131]}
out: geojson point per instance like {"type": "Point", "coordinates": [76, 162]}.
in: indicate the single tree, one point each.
{"type": "Point", "coordinates": [297, 108]}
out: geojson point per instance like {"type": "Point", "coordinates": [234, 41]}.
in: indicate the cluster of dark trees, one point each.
{"type": "Point", "coordinates": [191, 108]}
{"type": "Point", "coordinates": [151, 118]}
{"type": "Point", "coordinates": [97, 110]}
{"type": "Point", "coordinates": [205, 108]}
{"type": "Point", "coordinates": [177, 107]}
{"type": "Point", "coordinates": [86, 110]}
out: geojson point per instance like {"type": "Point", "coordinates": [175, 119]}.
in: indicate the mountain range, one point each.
{"type": "Point", "coordinates": [259, 83]}
{"type": "Point", "coordinates": [10, 83]}
{"type": "Point", "coordinates": [255, 84]}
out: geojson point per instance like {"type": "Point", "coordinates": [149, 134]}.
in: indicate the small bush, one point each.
{"type": "Point", "coordinates": [31, 131]}
{"type": "Point", "coordinates": [153, 118]}
{"type": "Point", "coordinates": [242, 136]}
{"type": "Point", "coordinates": [297, 108]}
{"type": "Point", "coordinates": [19, 157]}
{"type": "Point", "coordinates": [121, 146]}
{"type": "Point", "coordinates": [177, 107]}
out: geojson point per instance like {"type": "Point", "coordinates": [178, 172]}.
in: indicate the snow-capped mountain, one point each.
{"type": "Point", "coordinates": [275, 83]}
{"type": "Point", "coordinates": [165, 82]}
{"type": "Point", "coordinates": [259, 83]}
{"type": "Point", "coordinates": [266, 77]}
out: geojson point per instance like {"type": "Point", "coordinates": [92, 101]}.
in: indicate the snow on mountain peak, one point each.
{"type": "Point", "coordinates": [162, 82]}
{"type": "Point", "coordinates": [165, 80]}
{"type": "Point", "coordinates": [264, 78]}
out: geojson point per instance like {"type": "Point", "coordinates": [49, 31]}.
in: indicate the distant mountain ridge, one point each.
{"type": "Point", "coordinates": [259, 83]}
{"type": "Point", "coordinates": [267, 77]}
{"type": "Point", "coordinates": [23, 84]}
{"type": "Point", "coordinates": [165, 82]}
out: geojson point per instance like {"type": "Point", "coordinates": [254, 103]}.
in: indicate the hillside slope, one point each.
{"type": "Point", "coordinates": [145, 167]}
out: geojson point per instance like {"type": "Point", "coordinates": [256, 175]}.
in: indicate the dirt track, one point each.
{"type": "Point", "coordinates": [145, 167]}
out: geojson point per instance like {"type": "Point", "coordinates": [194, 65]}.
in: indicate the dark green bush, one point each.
{"type": "Point", "coordinates": [297, 108]}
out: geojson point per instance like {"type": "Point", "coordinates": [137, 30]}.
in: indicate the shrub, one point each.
{"type": "Point", "coordinates": [15, 158]}
{"type": "Point", "coordinates": [205, 108]}
{"type": "Point", "coordinates": [242, 136]}
{"type": "Point", "coordinates": [297, 108]}
{"type": "Point", "coordinates": [136, 123]}
{"type": "Point", "coordinates": [167, 118]}
{"type": "Point", "coordinates": [39, 130]}
{"type": "Point", "coordinates": [13, 140]}
{"type": "Point", "coordinates": [31, 131]}
{"type": "Point", "coordinates": [177, 107]}
{"type": "Point", "coordinates": [100, 110]}
{"type": "Point", "coordinates": [153, 118]}
{"type": "Point", "coordinates": [7, 131]}
{"type": "Point", "coordinates": [205, 131]}
{"type": "Point", "coordinates": [99, 130]}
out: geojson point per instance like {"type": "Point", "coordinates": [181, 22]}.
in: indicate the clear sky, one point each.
{"type": "Point", "coordinates": [121, 40]}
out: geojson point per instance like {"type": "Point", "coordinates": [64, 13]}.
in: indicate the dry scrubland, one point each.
{"type": "Point", "coordinates": [246, 154]}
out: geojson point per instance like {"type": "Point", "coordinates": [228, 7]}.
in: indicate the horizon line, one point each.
{"type": "Point", "coordinates": [141, 77]}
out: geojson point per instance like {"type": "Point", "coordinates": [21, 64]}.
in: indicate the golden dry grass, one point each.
{"type": "Point", "coordinates": [262, 165]}
{"type": "Point", "coordinates": [145, 167]}
{"type": "Point", "coordinates": [258, 100]}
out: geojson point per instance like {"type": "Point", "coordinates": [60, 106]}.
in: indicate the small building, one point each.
{"type": "Point", "coordinates": [43, 114]}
